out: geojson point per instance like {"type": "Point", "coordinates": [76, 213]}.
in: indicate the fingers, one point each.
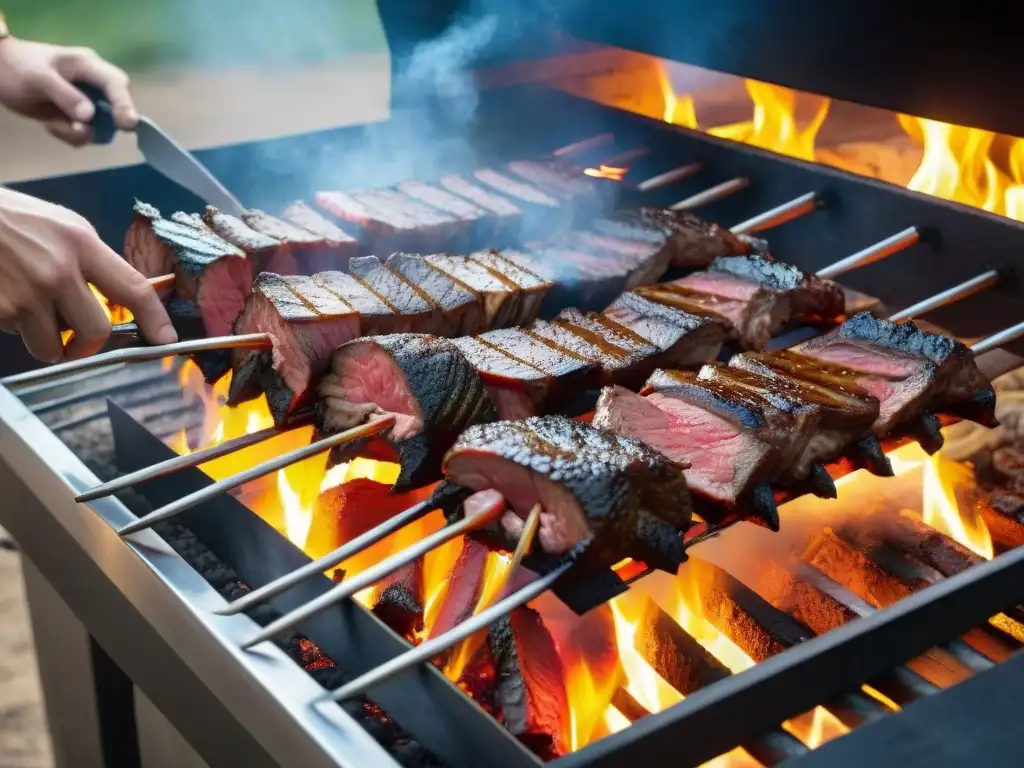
{"type": "Point", "coordinates": [123, 285]}
{"type": "Point", "coordinates": [75, 134]}
{"type": "Point", "coordinates": [81, 309]}
{"type": "Point", "coordinates": [56, 86]}
{"type": "Point", "coordinates": [41, 335]}
{"type": "Point", "coordinates": [83, 65]}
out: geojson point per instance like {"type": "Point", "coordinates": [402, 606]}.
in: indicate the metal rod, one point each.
{"type": "Point", "coordinates": [183, 462]}
{"type": "Point", "coordinates": [670, 177]}
{"type": "Point", "coordinates": [45, 386]}
{"type": "Point", "coordinates": [331, 559]}
{"type": "Point", "coordinates": [950, 295]}
{"type": "Point", "coordinates": [141, 354]}
{"type": "Point", "coordinates": [253, 473]}
{"type": "Point", "coordinates": [1012, 333]}
{"type": "Point", "coordinates": [429, 649]}
{"type": "Point", "coordinates": [974, 660]}
{"type": "Point", "coordinates": [881, 250]}
{"type": "Point", "coordinates": [794, 209]}
{"type": "Point", "coordinates": [162, 283]}
{"type": "Point", "coordinates": [715, 193]}
{"type": "Point", "coordinates": [375, 573]}
{"type": "Point", "coordinates": [80, 395]}
{"type": "Point", "coordinates": [581, 146]}
{"type": "Point", "coordinates": [625, 159]}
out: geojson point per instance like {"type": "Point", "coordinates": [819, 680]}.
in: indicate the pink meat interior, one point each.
{"type": "Point", "coordinates": [368, 375]}
{"type": "Point", "coordinates": [222, 293]}
{"type": "Point", "coordinates": [888, 365]}
{"type": "Point", "coordinates": [726, 286]}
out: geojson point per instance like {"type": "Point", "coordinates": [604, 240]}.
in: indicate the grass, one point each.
{"type": "Point", "coordinates": [143, 35]}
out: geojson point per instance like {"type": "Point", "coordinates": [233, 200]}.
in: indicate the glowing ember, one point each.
{"type": "Point", "coordinates": [939, 507]}
{"type": "Point", "coordinates": [607, 172]}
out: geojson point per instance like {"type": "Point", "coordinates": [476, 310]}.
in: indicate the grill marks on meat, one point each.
{"type": "Point", "coordinates": [516, 271]}
{"type": "Point", "coordinates": [376, 316]}
{"type": "Point", "coordinates": [336, 246]}
{"type": "Point", "coordinates": [460, 310]}
{"type": "Point", "coordinates": [424, 381]}
{"type": "Point", "coordinates": [400, 296]}
{"type": "Point", "coordinates": [508, 217]}
{"type": "Point", "coordinates": [390, 221]}
{"type": "Point", "coordinates": [809, 296]}
{"type": "Point", "coordinates": [143, 249]}
{"type": "Point", "coordinates": [721, 442]}
{"type": "Point", "coordinates": [498, 296]}
{"type": "Point", "coordinates": [912, 373]}
{"type": "Point", "coordinates": [599, 491]}
{"type": "Point", "coordinates": [480, 226]}
{"type": "Point", "coordinates": [693, 242]}
{"type": "Point", "coordinates": [265, 253]}
{"type": "Point", "coordinates": [543, 213]}
{"type": "Point", "coordinates": [306, 323]}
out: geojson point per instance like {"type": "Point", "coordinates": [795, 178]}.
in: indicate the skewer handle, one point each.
{"type": "Point", "coordinates": [949, 296]}
{"type": "Point", "coordinates": [431, 648]}
{"type": "Point", "coordinates": [794, 209]}
{"type": "Point", "coordinates": [996, 340]}
{"type": "Point", "coordinates": [714, 194]}
{"type": "Point", "coordinates": [669, 177]}
{"type": "Point", "coordinates": [582, 146]}
{"type": "Point", "coordinates": [881, 250]}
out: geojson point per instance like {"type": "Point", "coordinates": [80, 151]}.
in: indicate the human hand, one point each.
{"type": "Point", "coordinates": [36, 81]}
{"type": "Point", "coordinates": [47, 256]}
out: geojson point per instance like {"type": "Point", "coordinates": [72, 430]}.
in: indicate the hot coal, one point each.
{"type": "Point", "coordinates": [400, 603]}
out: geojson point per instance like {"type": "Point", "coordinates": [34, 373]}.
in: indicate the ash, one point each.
{"type": "Point", "coordinates": [94, 443]}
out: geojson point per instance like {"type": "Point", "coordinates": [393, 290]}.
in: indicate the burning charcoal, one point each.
{"type": "Point", "coordinates": [1008, 461]}
{"type": "Point", "coordinates": [531, 683]}
{"type": "Point", "coordinates": [351, 509]}
{"type": "Point", "coordinates": [630, 708]}
{"type": "Point", "coordinates": [399, 604]}
{"type": "Point", "coordinates": [424, 381]}
{"type": "Point", "coordinates": [1003, 513]}
{"type": "Point", "coordinates": [462, 592]}
{"type": "Point", "coordinates": [680, 660]}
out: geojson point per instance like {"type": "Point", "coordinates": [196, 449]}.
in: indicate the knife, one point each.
{"type": "Point", "coordinates": [163, 153]}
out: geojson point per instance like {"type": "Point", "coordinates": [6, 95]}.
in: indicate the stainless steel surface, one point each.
{"type": "Point", "coordinates": [139, 355]}
{"type": "Point", "coordinates": [146, 592]}
{"type": "Point", "coordinates": [253, 473]}
{"type": "Point", "coordinates": [180, 166]}
{"type": "Point", "coordinates": [193, 459]}
{"type": "Point", "coordinates": [999, 339]}
{"type": "Point", "coordinates": [429, 649]}
{"type": "Point", "coordinates": [372, 575]}
{"type": "Point", "coordinates": [331, 559]}
{"type": "Point", "coordinates": [712, 194]}
{"type": "Point", "coordinates": [880, 250]}
{"type": "Point", "coordinates": [956, 293]}
{"type": "Point", "coordinates": [795, 208]}
{"type": "Point", "coordinates": [160, 744]}
{"type": "Point", "coordinates": [670, 177]}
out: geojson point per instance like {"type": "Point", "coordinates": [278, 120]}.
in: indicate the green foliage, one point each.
{"type": "Point", "coordinates": [146, 34]}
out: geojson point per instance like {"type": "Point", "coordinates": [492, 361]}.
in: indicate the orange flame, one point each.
{"type": "Point", "coordinates": [115, 314]}
{"type": "Point", "coordinates": [607, 172]}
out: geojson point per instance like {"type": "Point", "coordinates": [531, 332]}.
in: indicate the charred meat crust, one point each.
{"type": "Point", "coordinates": [611, 477]}
{"type": "Point", "coordinates": [438, 379]}
{"type": "Point", "coordinates": [811, 296]}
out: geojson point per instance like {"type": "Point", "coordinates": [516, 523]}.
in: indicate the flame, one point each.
{"type": "Point", "coordinates": [940, 509]}
{"type": "Point", "coordinates": [679, 110]}
{"type": "Point", "coordinates": [957, 165]}
{"type": "Point", "coordinates": [115, 314]}
{"type": "Point", "coordinates": [607, 172]}
{"type": "Point", "coordinates": [496, 572]}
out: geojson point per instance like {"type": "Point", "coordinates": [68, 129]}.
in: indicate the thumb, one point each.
{"type": "Point", "coordinates": [68, 99]}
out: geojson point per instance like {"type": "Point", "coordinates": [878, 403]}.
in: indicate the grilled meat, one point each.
{"type": "Point", "coordinates": [424, 381]}
{"type": "Point", "coordinates": [460, 310]}
{"type": "Point", "coordinates": [337, 246]}
{"type": "Point", "coordinates": [912, 373]}
{"type": "Point", "coordinates": [543, 213]}
{"type": "Point", "coordinates": [481, 225]}
{"type": "Point", "coordinates": [602, 494]}
{"type": "Point", "coordinates": [400, 296]}
{"type": "Point", "coordinates": [525, 375]}
{"type": "Point", "coordinates": [376, 316]}
{"type": "Point", "coordinates": [388, 221]}
{"type": "Point", "coordinates": [265, 253]}
{"type": "Point", "coordinates": [808, 295]}
{"type": "Point", "coordinates": [515, 272]}
{"type": "Point", "coordinates": [724, 444]}
{"type": "Point", "coordinates": [500, 298]}
{"type": "Point", "coordinates": [586, 195]}
{"type": "Point", "coordinates": [694, 243]}
{"type": "Point", "coordinates": [685, 339]}
{"type": "Point", "coordinates": [143, 249]}
{"type": "Point", "coordinates": [307, 250]}
{"type": "Point", "coordinates": [508, 217]}
{"type": "Point", "coordinates": [306, 323]}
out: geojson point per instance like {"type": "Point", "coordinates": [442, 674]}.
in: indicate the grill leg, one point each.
{"type": "Point", "coordinates": [88, 698]}
{"type": "Point", "coordinates": [160, 744]}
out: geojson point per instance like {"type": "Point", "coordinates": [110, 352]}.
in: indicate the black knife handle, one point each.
{"type": "Point", "coordinates": [102, 123]}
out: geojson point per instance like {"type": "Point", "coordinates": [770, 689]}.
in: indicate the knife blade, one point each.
{"type": "Point", "coordinates": [163, 154]}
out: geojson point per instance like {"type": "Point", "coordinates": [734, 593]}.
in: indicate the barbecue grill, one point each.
{"type": "Point", "coordinates": [137, 667]}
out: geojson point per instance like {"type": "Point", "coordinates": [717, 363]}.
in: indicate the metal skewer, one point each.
{"type": "Point", "coordinates": [624, 159]}
{"type": "Point", "coordinates": [465, 650]}
{"type": "Point", "coordinates": [581, 146]}
{"type": "Point", "coordinates": [711, 195]}
{"type": "Point", "coordinates": [431, 648]}
{"type": "Point", "coordinates": [880, 250]}
{"type": "Point", "coordinates": [253, 473]}
{"type": "Point", "coordinates": [185, 461]}
{"type": "Point", "coordinates": [162, 283]}
{"type": "Point", "coordinates": [794, 209]}
{"type": "Point", "coordinates": [669, 177]}
{"type": "Point", "coordinates": [331, 559]}
{"type": "Point", "coordinates": [141, 354]}
{"type": "Point", "coordinates": [956, 293]}
{"type": "Point", "coordinates": [372, 575]}
{"type": "Point", "coordinates": [996, 340]}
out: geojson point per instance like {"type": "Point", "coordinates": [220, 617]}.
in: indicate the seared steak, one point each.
{"type": "Point", "coordinates": [425, 382]}
{"type": "Point", "coordinates": [399, 295]}
{"type": "Point", "coordinates": [305, 323]}
{"type": "Point", "coordinates": [910, 371]}
{"type": "Point", "coordinates": [507, 216]}
{"type": "Point", "coordinates": [500, 297]}
{"type": "Point", "coordinates": [143, 249]}
{"type": "Point", "coordinates": [544, 214]}
{"type": "Point", "coordinates": [586, 280]}
{"type": "Point", "coordinates": [686, 339]}
{"type": "Point", "coordinates": [516, 388]}
{"type": "Point", "coordinates": [808, 296]}
{"type": "Point", "coordinates": [390, 221]}
{"type": "Point", "coordinates": [720, 444]}
{"type": "Point", "coordinates": [648, 261]}
{"type": "Point", "coordinates": [265, 253]}
{"type": "Point", "coordinates": [694, 243]}
{"type": "Point", "coordinates": [479, 225]}
{"type": "Point", "coordinates": [518, 271]}
{"type": "Point", "coordinates": [586, 195]}
{"type": "Point", "coordinates": [305, 249]}
{"type": "Point", "coordinates": [376, 317]}
{"type": "Point", "coordinates": [337, 246]}
{"type": "Point", "coordinates": [598, 490]}
{"type": "Point", "coordinates": [461, 310]}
